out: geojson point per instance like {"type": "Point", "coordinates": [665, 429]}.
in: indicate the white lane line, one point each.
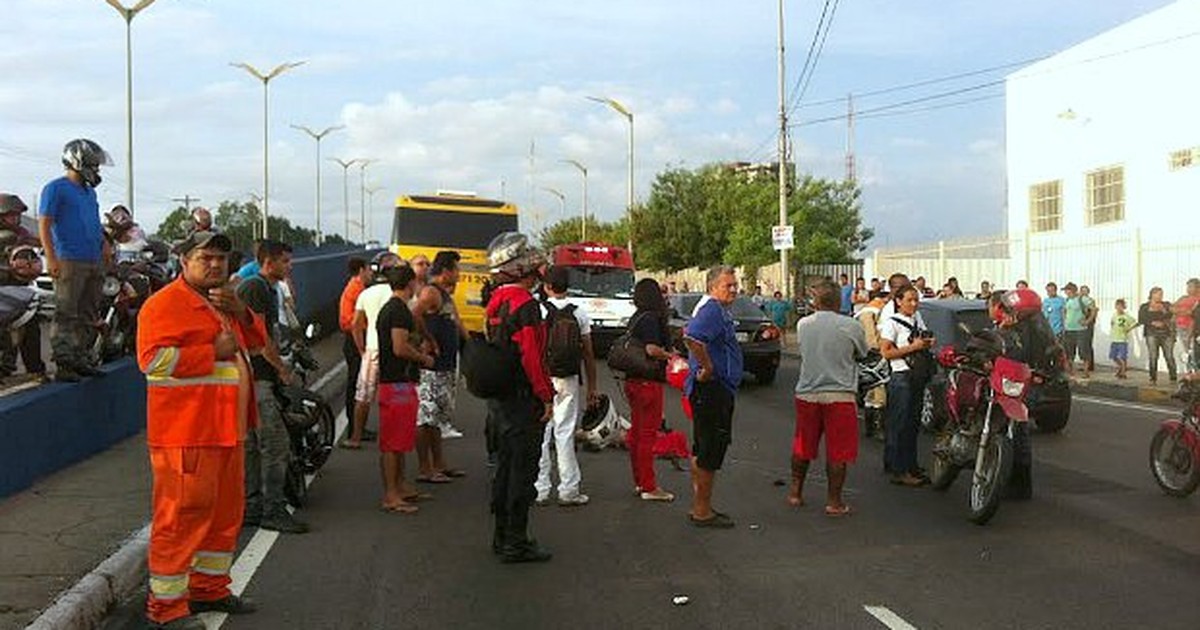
{"type": "Point", "coordinates": [889, 618]}
{"type": "Point", "coordinates": [1127, 405]}
{"type": "Point", "coordinates": [260, 544]}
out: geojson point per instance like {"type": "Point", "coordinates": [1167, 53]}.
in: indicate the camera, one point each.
{"type": "Point", "coordinates": [925, 334]}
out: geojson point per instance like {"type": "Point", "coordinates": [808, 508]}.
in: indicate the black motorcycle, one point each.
{"type": "Point", "coordinates": [308, 418]}
{"type": "Point", "coordinates": [134, 276]}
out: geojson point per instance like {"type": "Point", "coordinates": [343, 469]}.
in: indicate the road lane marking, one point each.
{"type": "Point", "coordinates": [889, 618]}
{"type": "Point", "coordinates": [260, 544]}
{"type": "Point", "coordinates": [1127, 405]}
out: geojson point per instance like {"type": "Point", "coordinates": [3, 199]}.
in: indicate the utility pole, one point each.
{"type": "Point", "coordinates": [851, 174]}
{"type": "Point", "coordinates": [187, 201]}
{"type": "Point", "coordinates": [783, 125]}
{"type": "Point", "coordinates": [362, 196]}
{"type": "Point", "coordinates": [345, 164]}
{"type": "Point", "coordinates": [318, 136]}
{"type": "Point", "coordinates": [532, 175]}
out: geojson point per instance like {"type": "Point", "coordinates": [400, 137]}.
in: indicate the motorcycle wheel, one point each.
{"type": "Point", "coordinates": [987, 488]}
{"type": "Point", "coordinates": [942, 470]}
{"type": "Point", "coordinates": [295, 488]}
{"type": "Point", "coordinates": [1174, 463]}
{"type": "Point", "coordinates": [320, 437]}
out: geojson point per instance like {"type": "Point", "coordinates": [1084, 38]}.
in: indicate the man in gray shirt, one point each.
{"type": "Point", "coordinates": [826, 395]}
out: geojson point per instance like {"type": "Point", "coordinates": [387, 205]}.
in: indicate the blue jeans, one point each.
{"type": "Point", "coordinates": [903, 407]}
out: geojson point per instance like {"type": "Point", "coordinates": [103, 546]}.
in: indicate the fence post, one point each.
{"type": "Point", "coordinates": [1137, 265]}
{"type": "Point", "coordinates": [942, 275]}
{"type": "Point", "coordinates": [1025, 274]}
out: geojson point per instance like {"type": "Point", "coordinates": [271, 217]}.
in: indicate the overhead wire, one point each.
{"type": "Point", "coordinates": [808, 57]}
{"type": "Point", "coordinates": [799, 97]}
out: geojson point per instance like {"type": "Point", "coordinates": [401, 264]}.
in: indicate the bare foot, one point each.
{"type": "Point", "coordinates": [795, 500]}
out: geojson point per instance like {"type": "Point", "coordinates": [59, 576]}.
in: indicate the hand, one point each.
{"type": "Point", "coordinates": [547, 413]}
{"type": "Point", "coordinates": [52, 266]}
{"type": "Point", "coordinates": [704, 374]}
{"type": "Point", "coordinates": [427, 360]}
{"type": "Point", "coordinates": [226, 299]}
{"type": "Point", "coordinates": [226, 345]}
{"type": "Point", "coordinates": [286, 376]}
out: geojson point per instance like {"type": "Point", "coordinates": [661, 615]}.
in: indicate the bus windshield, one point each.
{"type": "Point", "coordinates": [603, 282]}
{"type": "Point", "coordinates": [450, 229]}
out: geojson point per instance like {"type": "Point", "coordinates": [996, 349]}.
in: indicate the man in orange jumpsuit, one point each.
{"type": "Point", "coordinates": [193, 340]}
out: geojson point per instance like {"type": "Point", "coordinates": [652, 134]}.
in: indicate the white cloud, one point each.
{"type": "Point", "coordinates": [725, 107]}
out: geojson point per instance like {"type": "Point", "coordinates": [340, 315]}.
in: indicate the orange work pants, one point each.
{"type": "Point", "coordinates": [198, 505]}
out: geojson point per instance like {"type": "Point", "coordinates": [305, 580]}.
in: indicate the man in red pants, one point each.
{"type": "Point", "coordinates": [193, 340]}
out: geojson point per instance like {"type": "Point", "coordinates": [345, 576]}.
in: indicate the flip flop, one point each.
{"type": "Point", "coordinates": [795, 501]}
{"type": "Point", "coordinates": [402, 508]}
{"type": "Point", "coordinates": [836, 511]}
{"type": "Point", "coordinates": [717, 521]}
{"type": "Point", "coordinates": [347, 444]}
{"type": "Point", "coordinates": [454, 472]}
{"type": "Point", "coordinates": [419, 496]}
{"type": "Point", "coordinates": [435, 478]}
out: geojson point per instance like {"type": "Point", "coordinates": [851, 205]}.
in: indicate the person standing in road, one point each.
{"type": "Point", "coordinates": [1090, 314]}
{"type": "Point", "coordinates": [568, 347]}
{"type": "Point", "coordinates": [847, 294]}
{"type": "Point", "coordinates": [901, 336]}
{"type": "Point", "coordinates": [1118, 351]}
{"type": "Point", "coordinates": [648, 326]}
{"type": "Point", "coordinates": [399, 360]}
{"type": "Point", "coordinates": [514, 319]}
{"type": "Point", "coordinates": [444, 334]}
{"type": "Point", "coordinates": [268, 446]}
{"type": "Point", "coordinates": [366, 340]}
{"type": "Point", "coordinates": [1183, 309]}
{"type": "Point", "coordinates": [360, 275]}
{"type": "Point", "coordinates": [1155, 317]}
{"type": "Point", "coordinates": [716, 367]}
{"type": "Point", "coordinates": [1054, 307]}
{"type": "Point", "coordinates": [193, 340]}
{"type": "Point", "coordinates": [826, 396]}
{"type": "Point", "coordinates": [74, 247]}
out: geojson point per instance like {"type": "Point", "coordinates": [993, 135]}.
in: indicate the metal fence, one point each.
{"type": "Point", "coordinates": [767, 277]}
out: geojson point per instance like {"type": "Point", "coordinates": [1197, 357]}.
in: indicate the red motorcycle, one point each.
{"type": "Point", "coordinates": [984, 399]}
{"type": "Point", "coordinates": [1175, 449]}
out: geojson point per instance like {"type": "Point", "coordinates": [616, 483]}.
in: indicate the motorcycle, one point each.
{"type": "Point", "coordinates": [984, 399]}
{"type": "Point", "coordinates": [308, 418]}
{"type": "Point", "coordinates": [1175, 448]}
{"type": "Point", "coordinates": [133, 278]}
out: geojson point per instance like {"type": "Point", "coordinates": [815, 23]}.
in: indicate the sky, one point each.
{"type": "Point", "coordinates": [452, 95]}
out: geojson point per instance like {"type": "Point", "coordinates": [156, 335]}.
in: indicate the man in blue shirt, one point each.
{"type": "Point", "coordinates": [1054, 307]}
{"type": "Point", "coordinates": [74, 247]}
{"type": "Point", "coordinates": [714, 375]}
{"type": "Point", "coordinates": [847, 294]}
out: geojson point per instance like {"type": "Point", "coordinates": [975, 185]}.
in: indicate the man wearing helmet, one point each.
{"type": "Point", "coordinates": [12, 233]}
{"type": "Point", "coordinates": [515, 319]}
{"type": "Point", "coordinates": [74, 246]}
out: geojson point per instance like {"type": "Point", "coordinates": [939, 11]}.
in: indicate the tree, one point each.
{"type": "Point", "coordinates": [175, 226]}
{"type": "Point", "coordinates": [567, 231]}
{"type": "Point", "coordinates": [241, 222]}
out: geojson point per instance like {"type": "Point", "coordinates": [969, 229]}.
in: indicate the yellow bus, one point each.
{"type": "Point", "coordinates": [427, 224]}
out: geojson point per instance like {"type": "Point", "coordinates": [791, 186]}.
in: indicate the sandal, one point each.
{"type": "Point", "coordinates": [399, 508]}
{"type": "Point", "coordinates": [795, 501]}
{"type": "Point", "coordinates": [838, 510]}
{"type": "Point", "coordinates": [347, 444]}
{"type": "Point", "coordinates": [418, 496]}
{"type": "Point", "coordinates": [434, 478]}
{"type": "Point", "coordinates": [716, 521]}
{"type": "Point", "coordinates": [454, 473]}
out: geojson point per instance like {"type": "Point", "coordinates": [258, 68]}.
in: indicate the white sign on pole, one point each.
{"type": "Point", "coordinates": [781, 237]}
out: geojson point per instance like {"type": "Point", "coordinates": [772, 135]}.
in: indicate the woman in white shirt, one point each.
{"type": "Point", "coordinates": [901, 336]}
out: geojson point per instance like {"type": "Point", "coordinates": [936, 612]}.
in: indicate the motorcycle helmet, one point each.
{"type": "Point", "coordinates": [385, 260]}
{"type": "Point", "coordinates": [11, 209]}
{"type": "Point", "coordinates": [601, 425]}
{"type": "Point", "coordinates": [119, 218]}
{"type": "Point", "coordinates": [873, 371]}
{"type": "Point", "coordinates": [1022, 302]}
{"type": "Point", "coordinates": [202, 220]}
{"type": "Point", "coordinates": [85, 157]}
{"type": "Point", "coordinates": [512, 257]}
{"type": "Point", "coordinates": [24, 263]}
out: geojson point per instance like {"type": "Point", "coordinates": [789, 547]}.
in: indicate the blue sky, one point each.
{"type": "Point", "coordinates": [450, 94]}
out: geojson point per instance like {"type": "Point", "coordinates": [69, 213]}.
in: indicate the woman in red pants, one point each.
{"type": "Point", "coordinates": [649, 326]}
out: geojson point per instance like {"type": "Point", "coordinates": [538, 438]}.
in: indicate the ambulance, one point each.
{"type": "Point", "coordinates": [600, 284]}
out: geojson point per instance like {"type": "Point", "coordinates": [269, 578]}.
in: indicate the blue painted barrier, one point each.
{"type": "Point", "coordinates": [48, 428]}
{"type": "Point", "coordinates": [319, 279]}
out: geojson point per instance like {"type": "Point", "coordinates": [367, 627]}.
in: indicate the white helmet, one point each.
{"type": "Point", "coordinates": [512, 257]}
{"type": "Point", "coordinates": [873, 371]}
{"type": "Point", "coordinates": [85, 157]}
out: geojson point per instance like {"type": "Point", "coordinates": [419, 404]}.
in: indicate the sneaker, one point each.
{"type": "Point", "coordinates": [230, 605]}
{"type": "Point", "coordinates": [543, 500]}
{"type": "Point", "coordinates": [574, 500]}
{"type": "Point", "coordinates": [191, 622]}
{"type": "Point", "coordinates": [528, 552]}
{"type": "Point", "coordinates": [285, 524]}
{"type": "Point", "coordinates": [67, 375]}
{"type": "Point", "coordinates": [450, 432]}
{"type": "Point", "coordinates": [658, 494]}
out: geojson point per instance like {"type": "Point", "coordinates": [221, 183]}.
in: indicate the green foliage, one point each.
{"type": "Point", "coordinates": [241, 222]}
{"type": "Point", "coordinates": [567, 231]}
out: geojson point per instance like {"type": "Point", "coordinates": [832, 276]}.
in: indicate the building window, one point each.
{"type": "Point", "coordinates": [1045, 206]}
{"type": "Point", "coordinates": [1106, 195]}
{"type": "Point", "coordinates": [1184, 158]}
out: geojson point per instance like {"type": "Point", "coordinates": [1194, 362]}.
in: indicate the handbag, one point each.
{"type": "Point", "coordinates": [628, 354]}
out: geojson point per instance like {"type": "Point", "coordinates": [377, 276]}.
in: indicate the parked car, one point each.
{"type": "Point", "coordinates": [757, 335]}
{"type": "Point", "coordinates": [953, 322]}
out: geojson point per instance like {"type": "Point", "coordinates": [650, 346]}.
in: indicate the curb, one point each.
{"type": "Point", "coordinates": [85, 605]}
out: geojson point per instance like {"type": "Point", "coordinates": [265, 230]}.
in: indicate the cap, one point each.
{"type": "Point", "coordinates": [203, 239]}
{"type": "Point", "coordinates": [11, 203]}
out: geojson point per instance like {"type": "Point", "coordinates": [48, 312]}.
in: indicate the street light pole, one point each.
{"type": "Point", "coordinates": [128, 13]}
{"type": "Point", "coordinates": [784, 285]}
{"type": "Point", "coordinates": [562, 200]}
{"type": "Point", "coordinates": [628, 114]}
{"type": "Point", "coordinates": [345, 164]}
{"type": "Point", "coordinates": [362, 195]}
{"type": "Point", "coordinates": [318, 136]}
{"type": "Point", "coordinates": [584, 212]}
{"type": "Point", "coordinates": [371, 190]}
{"type": "Point", "coordinates": [266, 81]}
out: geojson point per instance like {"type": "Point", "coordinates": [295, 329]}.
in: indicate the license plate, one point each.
{"type": "Point", "coordinates": [743, 337]}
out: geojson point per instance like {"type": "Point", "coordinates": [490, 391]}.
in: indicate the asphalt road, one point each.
{"type": "Point", "coordinates": [1098, 547]}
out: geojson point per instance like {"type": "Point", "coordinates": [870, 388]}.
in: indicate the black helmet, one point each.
{"type": "Point", "coordinates": [511, 256]}
{"type": "Point", "coordinates": [384, 260]}
{"type": "Point", "coordinates": [85, 157]}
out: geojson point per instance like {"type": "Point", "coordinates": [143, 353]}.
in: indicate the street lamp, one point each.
{"type": "Point", "coordinates": [363, 163]}
{"type": "Point", "coordinates": [318, 136]}
{"type": "Point", "coordinates": [624, 111]}
{"type": "Point", "coordinates": [128, 13]}
{"type": "Point", "coordinates": [584, 212]}
{"type": "Point", "coordinates": [369, 227]}
{"type": "Point", "coordinates": [345, 164]}
{"type": "Point", "coordinates": [562, 200]}
{"type": "Point", "coordinates": [266, 80]}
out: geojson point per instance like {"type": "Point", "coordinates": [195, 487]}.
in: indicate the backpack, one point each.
{"type": "Point", "coordinates": [492, 366]}
{"type": "Point", "coordinates": [564, 341]}
{"type": "Point", "coordinates": [921, 365]}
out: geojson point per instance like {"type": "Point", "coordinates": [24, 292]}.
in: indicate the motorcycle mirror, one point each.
{"type": "Point", "coordinates": [311, 331]}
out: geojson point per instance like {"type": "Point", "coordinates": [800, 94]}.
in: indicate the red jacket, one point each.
{"type": "Point", "coordinates": [192, 399]}
{"type": "Point", "coordinates": [512, 307]}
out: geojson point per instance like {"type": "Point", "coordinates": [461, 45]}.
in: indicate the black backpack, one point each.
{"type": "Point", "coordinates": [492, 367]}
{"type": "Point", "coordinates": [564, 341]}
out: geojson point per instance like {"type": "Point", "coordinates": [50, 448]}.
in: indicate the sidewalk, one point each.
{"type": "Point", "coordinates": [58, 531]}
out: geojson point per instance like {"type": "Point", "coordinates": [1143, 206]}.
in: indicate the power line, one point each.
{"type": "Point", "coordinates": [811, 48]}
{"type": "Point", "coordinates": [913, 101]}
{"type": "Point", "coordinates": [816, 58]}
{"type": "Point", "coordinates": [903, 112]}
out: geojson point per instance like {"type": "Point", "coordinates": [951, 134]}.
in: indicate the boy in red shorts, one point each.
{"type": "Point", "coordinates": [829, 344]}
{"type": "Point", "coordinates": [399, 364]}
